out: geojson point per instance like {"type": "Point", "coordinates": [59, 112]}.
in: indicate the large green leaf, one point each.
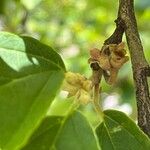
{"type": "Point", "coordinates": [30, 75]}
{"type": "Point", "coordinates": [45, 134]}
{"type": "Point", "coordinates": [118, 132]}
{"type": "Point", "coordinates": [74, 133]}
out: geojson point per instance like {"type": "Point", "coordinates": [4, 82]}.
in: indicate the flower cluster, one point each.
{"type": "Point", "coordinates": [79, 86]}
{"type": "Point", "coordinates": [110, 58]}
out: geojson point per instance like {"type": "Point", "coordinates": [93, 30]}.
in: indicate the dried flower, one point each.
{"type": "Point", "coordinates": [118, 55]}
{"type": "Point", "coordinates": [110, 59]}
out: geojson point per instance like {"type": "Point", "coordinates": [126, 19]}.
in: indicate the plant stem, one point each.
{"type": "Point", "coordinates": [96, 78]}
{"type": "Point", "coordinates": [139, 63]}
{"type": "Point", "coordinates": [96, 101]}
{"type": "Point", "coordinates": [126, 22]}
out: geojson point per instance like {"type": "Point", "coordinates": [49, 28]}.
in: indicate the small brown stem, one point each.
{"type": "Point", "coordinates": [96, 78]}
{"type": "Point", "coordinates": [96, 101]}
{"type": "Point", "coordinates": [116, 37]}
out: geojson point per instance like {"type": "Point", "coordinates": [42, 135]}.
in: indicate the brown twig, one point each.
{"type": "Point", "coordinates": [139, 64]}
{"type": "Point", "coordinates": [116, 37]}
{"type": "Point", "coordinates": [96, 78]}
{"type": "Point", "coordinates": [126, 22]}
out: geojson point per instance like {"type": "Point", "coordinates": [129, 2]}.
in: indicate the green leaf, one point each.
{"type": "Point", "coordinates": [118, 132]}
{"type": "Point", "coordinates": [30, 76]}
{"type": "Point", "coordinates": [44, 136]}
{"type": "Point", "coordinates": [74, 133]}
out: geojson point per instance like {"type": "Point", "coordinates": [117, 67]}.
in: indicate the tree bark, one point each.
{"type": "Point", "coordinates": [140, 67]}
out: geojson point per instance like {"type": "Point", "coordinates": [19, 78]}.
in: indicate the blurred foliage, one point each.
{"type": "Point", "coordinates": [72, 27]}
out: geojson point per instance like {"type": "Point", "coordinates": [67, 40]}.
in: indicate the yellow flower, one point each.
{"type": "Point", "coordinates": [79, 86]}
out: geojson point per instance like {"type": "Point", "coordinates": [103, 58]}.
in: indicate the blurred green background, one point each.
{"type": "Point", "coordinates": [72, 27]}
